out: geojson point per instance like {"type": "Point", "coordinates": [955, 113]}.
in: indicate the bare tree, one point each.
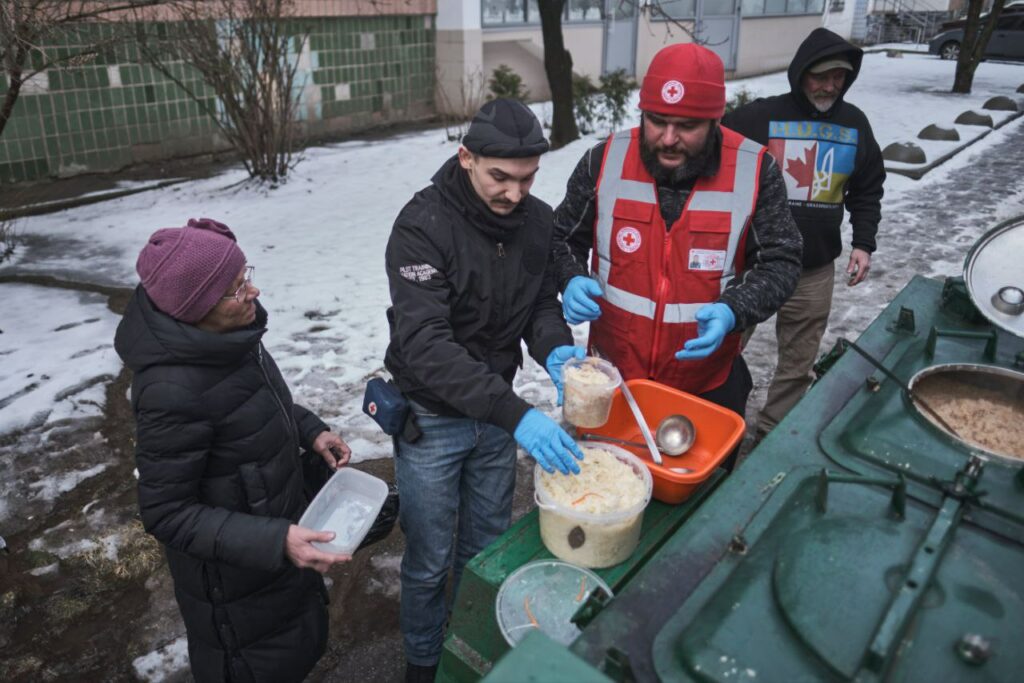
{"type": "Point", "coordinates": [31, 29]}
{"type": "Point", "coordinates": [246, 52]}
{"type": "Point", "coordinates": [976, 36]}
{"type": "Point", "coordinates": [558, 66]}
{"type": "Point", "coordinates": [558, 60]}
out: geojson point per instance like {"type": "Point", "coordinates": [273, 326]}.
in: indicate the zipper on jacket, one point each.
{"type": "Point", "coordinates": [289, 420]}
{"type": "Point", "coordinates": [501, 250]}
{"type": "Point", "coordinates": [659, 303]}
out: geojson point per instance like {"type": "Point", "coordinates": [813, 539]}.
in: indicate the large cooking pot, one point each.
{"type": "Point", "coordinates": [983, 404]}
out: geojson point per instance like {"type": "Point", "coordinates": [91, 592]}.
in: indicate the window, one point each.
{"type": "Point", "coordinates": [496, 13]}
{"type": "Point", "coordinates": [674, 9]}
{"type": "Point", "coordinates": [584, 10]}
{"type": "Point", "coordinates": [754, 8]}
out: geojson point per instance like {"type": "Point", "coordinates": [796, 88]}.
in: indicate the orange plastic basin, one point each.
{"type": "Point", "coordinates": [718, 431]}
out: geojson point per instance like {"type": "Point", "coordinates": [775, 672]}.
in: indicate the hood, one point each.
{"type": "Point", "coordinates": [147, 336]}
{"type": "Point", "coordinates": [452, 181]}
{"type": "Point", "coordinates": [822, 43]}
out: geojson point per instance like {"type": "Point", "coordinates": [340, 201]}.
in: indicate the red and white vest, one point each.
{"type": "Point", "coordinates": [654, 280]}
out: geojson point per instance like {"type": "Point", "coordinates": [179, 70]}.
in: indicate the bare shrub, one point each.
{"type": "Point", "coordinates": [456, 112]}
{"type": "Point", "coordinates": [246, 52]}
{"type": "Point", "coordinates": [8, 239]}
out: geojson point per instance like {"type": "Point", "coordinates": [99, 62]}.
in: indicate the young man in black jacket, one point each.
{"type": "Point", "coordinates": [467, 267]}
{"type": "Point", "coordinates": [830, 160]}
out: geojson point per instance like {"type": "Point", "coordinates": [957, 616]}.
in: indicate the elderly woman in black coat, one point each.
{"type": "Point", "coordinates": [218, 453]}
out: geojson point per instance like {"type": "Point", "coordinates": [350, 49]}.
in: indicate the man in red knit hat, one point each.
{"type": "Point", "coordinates": [675, 236]}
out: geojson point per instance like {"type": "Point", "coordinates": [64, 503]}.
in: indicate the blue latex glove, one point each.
{"type": "Point", "coordinates": [714, 321]}
{"type": "Point", "coordinates": [548, 443]}
{"type": "Point", "coordinates": [578, 303]}
{"type": "Point", "coordinates": [556, 359]}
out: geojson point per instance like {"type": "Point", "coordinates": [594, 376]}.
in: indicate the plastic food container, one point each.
{"type": "Point", "coordinates": [590, 384]}
{"type": "Point", "coordinates": [544, 595]}
{"type": "Point", "coordinates": [347, 505]}
{"type": "Point", "coordinates": [592, 539]}
{"type": "Point", "coordinates": [718, 431]}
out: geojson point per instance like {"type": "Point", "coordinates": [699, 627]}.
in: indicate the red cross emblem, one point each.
{"type": "Point", "coordinates": [372, 408]}
{"type": "Point", "coordinates": [672, 91]}
{"type": "Point", "coordinates": [628, 239]}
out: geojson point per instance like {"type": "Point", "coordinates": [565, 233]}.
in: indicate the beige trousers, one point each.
{"type": "Point", "coordinates": [799, 327]}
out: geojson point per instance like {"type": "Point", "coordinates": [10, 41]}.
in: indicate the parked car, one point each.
{"type": "Point", "coordinates": [1016, 7]}
{"type": "Point", "coordinates": [1007, 40]}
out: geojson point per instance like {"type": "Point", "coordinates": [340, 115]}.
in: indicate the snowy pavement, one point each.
{"type": "Point", "coordinates": [318, 243]}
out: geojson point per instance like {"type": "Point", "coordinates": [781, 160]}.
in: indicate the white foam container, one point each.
{"type": "Point", "coordinates": [348, 504]}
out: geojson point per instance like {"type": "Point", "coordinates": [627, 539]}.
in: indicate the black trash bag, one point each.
{"type": "Point", "coordinates": [385, 521]}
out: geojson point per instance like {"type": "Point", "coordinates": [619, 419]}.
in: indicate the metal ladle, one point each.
{"type": "Point", "coordinates": [674, 436]}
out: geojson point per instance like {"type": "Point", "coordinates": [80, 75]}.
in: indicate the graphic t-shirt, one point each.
{"type": "Point", "coordinates": [816, 159]}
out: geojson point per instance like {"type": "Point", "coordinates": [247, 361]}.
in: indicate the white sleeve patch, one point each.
{"type": "Point", "coordinates": [418, 273]}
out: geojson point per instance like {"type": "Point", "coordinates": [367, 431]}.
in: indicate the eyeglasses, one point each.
{"type": "Point", "coordinates": [239, 295]}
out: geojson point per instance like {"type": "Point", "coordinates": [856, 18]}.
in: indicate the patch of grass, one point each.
{"type": "Point", "coordinates": [39, 558]}
{"type": "Point", "coordinates": [63, 608]}
{"type": "Point", "coordinates": [138, 556]}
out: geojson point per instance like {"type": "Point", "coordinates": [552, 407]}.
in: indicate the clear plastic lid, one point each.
{"type": "Point", "coordinates": [544, 595]}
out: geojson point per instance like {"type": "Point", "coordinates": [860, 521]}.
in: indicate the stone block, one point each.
{"type": "Point", "coordinates": [1000, 103]}
{"type": "Point", "coordinates": [906, 152]}
{"type": "Point", "coordinates": [934, 132]}
{"type": "Point", "coordinates": [973, 118]}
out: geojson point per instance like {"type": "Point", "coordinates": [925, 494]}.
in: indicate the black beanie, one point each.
{"type": "Point", "coordinates": [505, 128]}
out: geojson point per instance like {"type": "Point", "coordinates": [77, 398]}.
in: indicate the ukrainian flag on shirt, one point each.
{"type": "Point", "coordinates": [816, 158]}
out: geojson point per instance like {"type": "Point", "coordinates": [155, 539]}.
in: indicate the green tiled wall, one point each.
{"type": "Point", "coordinates": [85, 122]}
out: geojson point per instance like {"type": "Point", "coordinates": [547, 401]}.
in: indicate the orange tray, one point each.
{"type": "Point", "coordinates": [718, 431]}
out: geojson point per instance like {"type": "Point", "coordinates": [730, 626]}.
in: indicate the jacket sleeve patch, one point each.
{"type": "Point", "coordinates": [418, 273]}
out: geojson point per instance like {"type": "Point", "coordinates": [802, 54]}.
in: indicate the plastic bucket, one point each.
{"type": "Point", "coordinates": [589, 539]}
{"type": "Point", "coordinates": [590, 384]}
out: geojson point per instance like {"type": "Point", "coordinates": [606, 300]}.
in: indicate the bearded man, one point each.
{"type": "Point", "coordinates": [830, 162]}
{"type": "Point", "coordinates": [691, 235]}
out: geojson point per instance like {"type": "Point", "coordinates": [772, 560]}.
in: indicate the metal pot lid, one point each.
{"type": "Point", "coordinates": [994, 275]}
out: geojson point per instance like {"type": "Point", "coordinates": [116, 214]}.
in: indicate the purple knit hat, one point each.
{"type": "Point", "coordinates": [185, 271]}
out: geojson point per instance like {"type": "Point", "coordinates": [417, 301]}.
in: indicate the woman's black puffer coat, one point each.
{"type": "Point", "coordinates": [220, 481]}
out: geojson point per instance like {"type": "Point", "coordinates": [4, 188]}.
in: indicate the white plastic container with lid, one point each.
{"type": "Point", "coordinates": [590, 384]}
{"type": "Point", "coordinates": [348, 504]}
{"type": "Point", "coordinates": [592, 539]}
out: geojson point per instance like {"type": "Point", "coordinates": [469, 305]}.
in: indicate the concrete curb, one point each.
{"type": "Point", "coordinates": [919, 172]}
{"type": "Point", "coordinates": [73, 202]}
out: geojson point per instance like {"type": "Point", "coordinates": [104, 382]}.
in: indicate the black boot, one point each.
{"type": "Point", "coordinates": [414, 673]}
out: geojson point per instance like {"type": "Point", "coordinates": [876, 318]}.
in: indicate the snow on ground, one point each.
{"type": "Point", "coordinates": [318, 243]}
{"type": "Point", "coordinates": [56, 354]}
{"type": "Point", "coordinates": [156, 665]}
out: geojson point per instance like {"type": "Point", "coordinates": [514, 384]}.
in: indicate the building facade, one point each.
{"type": "Point", "coordinates": [362, 64]}
{"type": "Point", "coordinates": [751, 36]}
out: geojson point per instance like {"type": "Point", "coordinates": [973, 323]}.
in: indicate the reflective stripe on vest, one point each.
{"type": "Point", "coordinates": [613, 186]}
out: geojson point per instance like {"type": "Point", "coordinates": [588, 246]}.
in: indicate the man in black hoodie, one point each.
{"type": "Point", "coordinates": [830, 160]}
{"type": "Point", "coordinates": [467, 267]}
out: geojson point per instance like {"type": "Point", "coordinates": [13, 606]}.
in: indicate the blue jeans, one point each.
{"type": "Point", "coordinates": [456, 484]}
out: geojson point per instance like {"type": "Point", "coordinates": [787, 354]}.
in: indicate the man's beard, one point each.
{"type": "Point", "coordinates": [703, 164]}
{"type": "Point", "coordinates": [823, 104]}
